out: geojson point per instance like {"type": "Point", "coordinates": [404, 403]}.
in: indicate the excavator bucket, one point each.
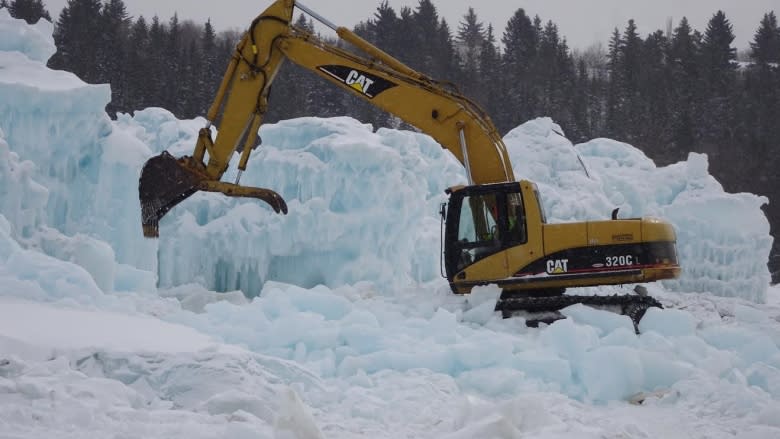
{"type": "Point", "coordinates": [166, 181]}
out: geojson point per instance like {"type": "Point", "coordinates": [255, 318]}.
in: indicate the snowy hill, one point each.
{"type": "Point", "coordinates": [344, 327]}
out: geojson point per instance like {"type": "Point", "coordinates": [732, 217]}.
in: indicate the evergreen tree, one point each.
{"type": "Point", "coordinates": [718, 55]}
{"type": "Point", "coordinates": [28, 10]}
{"type": "Point", "coordinates": [490, 91]}
{"type": "Point", "coordinates": [684, 71]}
{"type": "Point", "coordinates": [427, 36]}
{"type": "Point", "coordinates": [173, 66]}
{"type": "Point", "coordinates": [4, 4]}
{"type": "Point", "coordinates": [520, 41]}
{"type": "Point", "coordinates": [545, 86]}
{"type": "Point", "coordinates": [765, 47]}
{"type": "Point", "coordinates": [156, 57]}
{"type": "Point", "coordinates": [580, 102]}
{"type": "Point", "coordinates": [630, 64]}
{"type": "Point", "coordinates": [187, 98]}
{"type": "Point", "coordinates": [716, 116]}
{"type": "Point", "coordinates": [407, 40]}
{"type": "Point", "coordinates": [112, 52]}
{"type": "Point", "coordinates": [654, 130]}
{"type": "Point", "coordinates": [138, 67]}
{"type": "Point", "coordinates": [383, 29]}
{"type": "Point", "coordinates": [209, 69]}
{"type": "Point", "coordinates": [471, 36]}
{"type": "Point", "coordinates": [446, 58]}
{"type": "Point", "coordinates": [78, 34]}
{"type": "Point", "coordinates": [615, 93]}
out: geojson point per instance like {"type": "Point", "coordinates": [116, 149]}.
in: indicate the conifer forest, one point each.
{"type": "Point", "coordinates": [674, 91]}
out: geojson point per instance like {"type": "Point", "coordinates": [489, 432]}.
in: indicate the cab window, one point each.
{"type": "Point", "coordinates": [478, 231]}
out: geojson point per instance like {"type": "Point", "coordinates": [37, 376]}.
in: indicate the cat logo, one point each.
{"type": "Point", "coordinates": [362, 82]}
{"type": "Point", "coordinates": [359, 82]}
{"type": "Point", "coordinates": [557, 266]}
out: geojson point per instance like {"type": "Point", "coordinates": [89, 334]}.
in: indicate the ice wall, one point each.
{"type": "Point", "coordinates": [362, 207]}
{"type": "Point", "coordinates": [58, 130]}
{"type": "Point", "coordinates": [723, 239]}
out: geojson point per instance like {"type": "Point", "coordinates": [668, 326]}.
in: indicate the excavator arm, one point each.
{"type": "Point", "coordinates": [241, 102]}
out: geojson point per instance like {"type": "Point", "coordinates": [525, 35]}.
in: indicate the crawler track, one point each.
{"type": "Point", "coordinates": [633, 306]}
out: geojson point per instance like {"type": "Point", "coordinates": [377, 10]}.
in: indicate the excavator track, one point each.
{"type": "Point", "coordinates": [548, 307]}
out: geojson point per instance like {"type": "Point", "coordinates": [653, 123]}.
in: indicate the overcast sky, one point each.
{"type": "Point", "coordinates": [582, 22]}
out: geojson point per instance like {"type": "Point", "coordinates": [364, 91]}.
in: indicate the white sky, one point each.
{"type": "Point", "coordinates": [582, 22]}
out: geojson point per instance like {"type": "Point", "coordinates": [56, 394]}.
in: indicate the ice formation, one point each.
{"type": "Point", "coordinates": [363, 204]}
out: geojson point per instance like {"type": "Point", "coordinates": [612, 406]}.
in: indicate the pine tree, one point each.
{"type": "Point", "coordinates": [615, 125]}
{"type": "Point", "coordinates": [156, 56]}
{"type": "Point", "coordinates": [446, 58]}
{"type": "Point", "coordinates": [654, 130]}
{"type": "Point", "coordinates": [520, 41]}
{"type": "Point", "coordinates": [684, 70]}
{"type": "Point", "coordinates": [138, 67]}
{"type": "Point", "coordinates": [77, 35]}
{"type": "Point", "coordinates": [471, 36]}
{"type": "Point", "coordinates": [716, 116]}
{"type": "Point", "coordinates": [407, 39]}
{"type": "Point", "coordinates": [580, 102]}
{"type": "Point", "coordinates": [545, 85]}
{"type": "Point", "coordinates": [765, 47]}
{"type": "Point", "coordinates": [384, 28]}
{"type": "Point", "coordinates": [29, 10]}
{"type": "Point", "coordinates": [173, 66]}
{"type": "Point", "coordinates": [490, 91]}
{"type": "Point", "coordinates": [718, 55]}
{"type": "Point", "coordinates": [630, 56]}
{"type": "Point", "coordinates": [112, 52]}
{"type": "Point", "coordinates": [427, 36]}
{"type": "Point", "coordinates": [209, 67]}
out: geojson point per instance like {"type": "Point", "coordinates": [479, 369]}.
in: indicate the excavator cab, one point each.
{"type": "Point", "coordinates": [480, 222]}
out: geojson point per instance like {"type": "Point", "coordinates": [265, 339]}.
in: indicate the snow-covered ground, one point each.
{"type": "Point", "coordinates": [344, 327]}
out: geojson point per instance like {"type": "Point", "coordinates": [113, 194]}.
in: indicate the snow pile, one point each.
{"type": "Point", "coordinates": [111, 374]}
{"type": "Point", "coordinates": [593, 356]}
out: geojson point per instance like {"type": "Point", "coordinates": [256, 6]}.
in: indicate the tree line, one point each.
{"type": "Point", "coordinates": [668, 93]}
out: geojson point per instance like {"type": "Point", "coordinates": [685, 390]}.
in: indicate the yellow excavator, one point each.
{"type": "Point", "coordinates": [495, 230]}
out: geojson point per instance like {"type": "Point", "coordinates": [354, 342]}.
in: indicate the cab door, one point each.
{"type": "Point", "coordinates": [525, 213]}
{"type": "Point", "coordinates": [477, 235]}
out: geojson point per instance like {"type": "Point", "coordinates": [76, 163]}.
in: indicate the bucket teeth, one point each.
{"type": "Point", "coordinates": [164, 183]}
